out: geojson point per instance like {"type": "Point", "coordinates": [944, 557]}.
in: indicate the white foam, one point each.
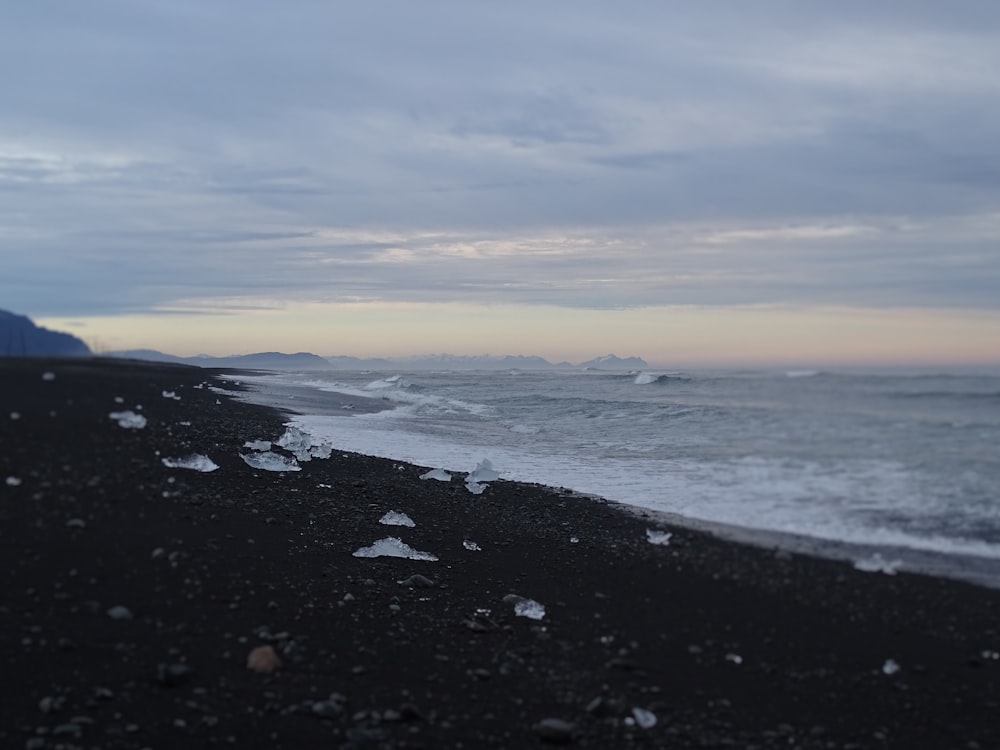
{"type": "Point", "coordinates": [195, 462]}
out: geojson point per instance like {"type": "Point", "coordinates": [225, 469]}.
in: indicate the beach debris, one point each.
{"type": "Point", "coordinates": [270, 461]}
{"type": "Point", "coordinates": [524, 607]}
{"type": "Point", "coordinates": [395, 518]}
{"type": "Point", "coordinates": [890, 667]}
{"type": "Point", "coordinates": [476, 488]}
{"type": "Point", "coordinates": [118, 612]}
{"type": "Point", "coordinates": [128, 419]}
{"type": "Point", "coordinates": [471, 545]}
{"type": "Point", "coordinates": [264, 660]}
{"type": "Point", "coordinates": [439, 474]}
{"type": "Point", "coordinates": [195, 462]}
{"type": "Point", "coordinates": [392, 546]}
{"type": "Point", "coordinates": [484, 472]}
{"type": "Point", "coordinates": [301, 445]}
{"type": "Point", "coordinates": [555, 731]}
{"type": "Point", "coordinates": [878, 564]}
{"type": "Point", "coordinates": [48, 377]}
{"type": "Point", "coordinates": [258, 445]}
{"type": "Point", "coordinates": [13, 481]}
{"type": "Point", "coordinates": [655, 536]}
{"type": "Point", "coordinates": [643, 718]}
{"type": "Point", "coordinates": [171, 395]}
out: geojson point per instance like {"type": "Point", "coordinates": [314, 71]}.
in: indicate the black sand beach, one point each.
{"type": "Point", "coordinates": [133, 593]}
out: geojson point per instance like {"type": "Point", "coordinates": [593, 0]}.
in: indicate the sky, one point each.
{"type": "Point", "coordinates": [785, 182]}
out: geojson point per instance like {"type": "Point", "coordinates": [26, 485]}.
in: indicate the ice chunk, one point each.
{"type": "Point", "coordinates": [878, 564]}
{"type": "Point", "coordinates": [48, 377]}
{"type": "Point", "coordinates": [658, 537]}
{"type": "Point", "coordinates": [471, 546]}
{"type": "Point", "coordinates": [301, 445]}
{"type": "Point", "coordinates": [483, 473]}
{"type": "Point", "coordinates": [258, 445]}
{"type": "Point", "coordinates": [392, 546]}
{"type": "Point", "coordinates": [171, 394]}
{"type": "Point", "coordinates": [195, 462]}
{"type": "Point", "coordinates": [395, 518]}
{"type": "Point", "coordinates": [269, 461]}
{"type": "Point", "coordinates": [644, 718]}
{"type": "Point", "coordinates": [476, 488]}
{"type": "Point", "coordinates": [13, 481]}
{"type": "Point", "coordinates": [734, 658]}
{"type": "Point", "coordinates": [128, 419]}
{"type": "Point", "coordinates": [440, 474]}
{"type": "Point", "coordinates": [524, 607]}
{"type": "Point", "coordinates": [890, 667]}
{"type": "Point", "coordinates": [15, 416]}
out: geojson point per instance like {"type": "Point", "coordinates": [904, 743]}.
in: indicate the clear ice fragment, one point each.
{"type": "Point", "coordinates": [476, 488]}
{"type": "Point", "coordinates": [471, 546]}
{"type": "Point", "coordinates": [395, 518]}
{"type": "Point", "coordinates": [13, 481]}
{"type": "Point", "coordinates": [524, 607]}
{"type": "Point", "coordinates": [440, 474]}
{"type": "Point", "coordinates": [644, 718]}
{"type": "Point", "coordinates": [890, 667]}
{"type": "Point", "coordinates": [878, 564]}
{"type": "Point", "coordinates": [269, 461]}
{"type": "Point", "coordinates": [128, 419]}
{"type": "Point", "coordinates": [172, 395]}
{"type": "Point", "coordinates": [658, 537]}
{"type": "Point", "coordinates": [258, 445]}
{"type": "Point", "coordinates": [392, 546]}
{"type": "Point", "coordinates": [484, 472]}
{"type": "Point", "coordinates": [195, 462]}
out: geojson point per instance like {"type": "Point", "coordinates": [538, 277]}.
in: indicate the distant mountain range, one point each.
{"type": "Point", "coordinates": [19, 337]}
{"type": "Point", "coordinates": [309, 361]}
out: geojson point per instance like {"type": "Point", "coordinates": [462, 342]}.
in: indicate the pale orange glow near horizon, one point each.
{"type": "Point", "coordinates": [663, 336]}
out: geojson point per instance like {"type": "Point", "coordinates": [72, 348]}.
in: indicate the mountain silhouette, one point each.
{"type": "Point", "coordinates": [20, 337]}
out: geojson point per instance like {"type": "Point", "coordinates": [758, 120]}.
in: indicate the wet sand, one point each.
{"type": "Point", "coordinates": [133, 594]}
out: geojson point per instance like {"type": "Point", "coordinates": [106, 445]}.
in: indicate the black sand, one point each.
{"type": "Point", "coordinates": [728, 645]}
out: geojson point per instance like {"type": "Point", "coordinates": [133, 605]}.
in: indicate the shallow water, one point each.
{"type": "Point", "coordinates": [907, 461]}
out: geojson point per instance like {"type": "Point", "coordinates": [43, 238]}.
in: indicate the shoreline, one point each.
{"type": "Point", "coordinates": [722, 644]}
{"type": "Point", "coordinates": [970, 568]}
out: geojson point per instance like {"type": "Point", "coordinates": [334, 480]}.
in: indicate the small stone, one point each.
{"type": "Point", "coordinates": [76, 523]}
{"type": "Point", "coordinates": [417, 582]}
{"type": "Point", "coordinates": [264, 660]}
{"type": "Point", "coordinates": [173, 675]}
{"type": "Point", "coordinates": [119, 612]}
{"type": "Point", "coordinates": [555, 731]}
{"type": "Point", "coordinates": [330, 708]}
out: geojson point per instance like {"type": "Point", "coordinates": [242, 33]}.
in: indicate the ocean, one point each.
{"type": "Point", "coordinates": [900, 462]}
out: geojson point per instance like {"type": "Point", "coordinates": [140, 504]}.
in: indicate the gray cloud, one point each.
{"type": "Point", "coordinates": [562, 153]}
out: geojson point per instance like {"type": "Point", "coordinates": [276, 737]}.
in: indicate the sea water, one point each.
{"type": "Point", "coordinates": [888, 460]}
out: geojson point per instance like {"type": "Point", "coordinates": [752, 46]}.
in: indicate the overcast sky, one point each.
{"type": "Point", "coordinates": [175, 162]}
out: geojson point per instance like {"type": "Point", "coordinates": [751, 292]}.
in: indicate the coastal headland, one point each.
{"type": "Point", "coordinates": [145, 604]}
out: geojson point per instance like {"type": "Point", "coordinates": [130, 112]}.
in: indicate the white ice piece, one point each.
{"type": "Point", "coordinates": [484, 472]}
{"type": "Point", "coordinates": [195, 462]}
{"type": "Point", "coordinates": [475, 488]}
{"type": "Point", "coordinates": [13, 481]}
{"type": "Point", "coordinates": [471, 545]}
{"type": "Point", "coordinates": [258, 445]}
{"type": "Point", "coordinates": [524, 607]}
{"type": "Point", "coordinates": [658, 537]}
{"type": "Point", "coordinates": [440, 474]}
{"type": "Point", "coordinates": [171, 394]}
{"type": "Point", "coordinates": [128, 419]}
{"type": "Point", "coordinates": [301, 444]}
{"type": "Point", "coordinates": [48, 377]}
{"type": "Point", "coordinates": [269, 461]}
{"type": "Point", "coordinates": [644, 718]}
{"type": "Point", "coordinates": [15, 416]}
{"type": "Point", "coordinates": [878, 564]}
{"type": "Point", "coordinates": [392, 546]}
{"type": "Point", "coordinates": [396, 518]}
{"type": "Point", "coordinates": [890, 667]}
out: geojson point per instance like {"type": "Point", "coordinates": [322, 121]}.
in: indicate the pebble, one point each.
{"type": "Point", "coordinates": [119, 612]}
{"type": "Point", "coordinates": [417, 582]}
{"type": "Point", "coordinates": [555, 731]}
{"type": "Point", "coordinates": [264, 660]}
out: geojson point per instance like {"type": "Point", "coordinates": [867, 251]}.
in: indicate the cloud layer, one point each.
{"type": "Point", "coordinates": [191, 155]}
